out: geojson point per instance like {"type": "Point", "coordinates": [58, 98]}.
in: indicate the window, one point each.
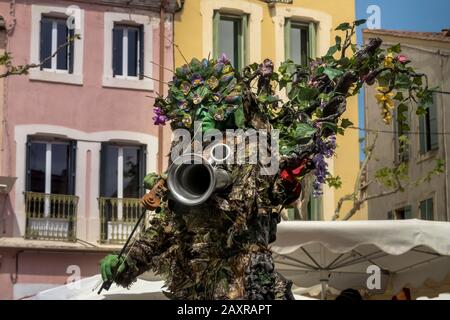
{"type": "Point", "coordinates": [122, 171]}
{"type": "Point", "coordinates": [50, 31]}
{"type": "Point", "coordinates": [299, 41]}
{"type": "Point", "coordinates": [315, 208]}
{"type": "Point", "coordinates": [54, 33]}
{"type": "Point", "coordinates": [51, 166]}
{"type": "Point", "coordinates": [230, 33]}
{"type": "Point", "coordinates": [426, 209]}
{"type": "Point", "coordinates": [400, 214]}
{"type": "Point", "coordinates": [121, 186]}
{"type": "Point", "coordinates": [128, 51]}
{"type": "Point", "coordinates": [50, 203]}
{"type": "Point", "coordinates": [428, 129]}
{"type": "Point", "coordinates": [401, 128]}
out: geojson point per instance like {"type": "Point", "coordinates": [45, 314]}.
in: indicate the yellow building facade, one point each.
{"type": "Point", "coordinates": [253, 30]}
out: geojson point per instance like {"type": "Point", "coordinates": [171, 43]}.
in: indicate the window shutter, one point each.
{"type": "Point", "coordinates": [142, 169]}
{"type": "Point", "coordinates": [423, 210]}
{"type": "Point", "coordinates": [45, 42]}
{"type": "Point", "coordinates": [390, 215]}
{"type": "Point", "coordinates": [72, 166]}
{"type": "Point", "coordinates": [62, 32]}
{"type": "Point", "coordinates": [432, 109]}
{"type": "Point", "coordinates": [430, 209]}
{"type": "Point", "coordinates": [41, 44]}
{"type": "Point", "coordinates": [408, 212]}
{"type": "Point", "coordinates": [117, 64]}
{"type": "Point", "coordinates": [422, 134]}
{"type": "Point", "coordinates": [312, 40]}
{"type": "Point", "coordinates": [243, 41]}
{"type": "Point", "coordinates": [141, 52]}
{"type": "Point", "coordinates": [28, 171]}
{"type": "Point", "coordinates": [71, 50]}
{"type": "Point", "coordinates": [287, 39]}
{"type": "Point", "coordinates": [216, 20]}
{"type": "Point", "coordinates": [103, 159]}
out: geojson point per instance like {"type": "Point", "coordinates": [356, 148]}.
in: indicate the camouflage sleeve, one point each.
{"type": "Point", "coordinates": [144, 253]}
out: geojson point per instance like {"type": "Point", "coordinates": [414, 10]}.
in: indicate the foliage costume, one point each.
{"type": "Point", "coordinates": [220, 248]}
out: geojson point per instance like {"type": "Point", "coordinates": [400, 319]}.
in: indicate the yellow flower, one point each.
{"type": "Point", "coordinates": [389, 61]}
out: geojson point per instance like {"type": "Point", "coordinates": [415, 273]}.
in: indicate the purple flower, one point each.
{"type": "Point", "coordinates": [227, 77]}
{"type": "Point", "coordinates": [196, 79]}
{"type": "Point", "coordinates": [217, 97]}
{"type": "Point", "coordinates": [233, 98]}
{"type": "Point", "coordinates": [160, 118]}
{"type": "Point", "coordinates": [325, 149]}
{"type": "Point", "coordinates": [182, 104]}
{"type": "Point", "coordinates": [218, 68]}
{"type": "Point", "coordinates": [212, 82]}
{"type": "Point", "coordinates": [223, 59]}
{"type": "Point", "coordinates": [196, 99]}
{"type": "Point", "coordinates": [185, 87]}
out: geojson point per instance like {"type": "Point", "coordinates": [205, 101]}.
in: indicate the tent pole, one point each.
{"type": "Point", "coordinates": [323, 292]}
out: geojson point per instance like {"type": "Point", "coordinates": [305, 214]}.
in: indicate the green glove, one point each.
{"type": "Point", "coordinates": [108, 267]}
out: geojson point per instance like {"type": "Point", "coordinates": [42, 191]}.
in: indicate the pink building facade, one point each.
{"type": "Point", "coordinates": [77, 133]}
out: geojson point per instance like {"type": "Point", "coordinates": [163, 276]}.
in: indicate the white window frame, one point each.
{"type": "Point", "coordinates": [234, 7]}
{"type": "Point", "coordinates": [124, 81]}
{"type": "Point", "coordinates": [54, 44]}
{"type": "Point", "coordinates": [125, 56]}
{"type": "Point", "coordinates": [322, 20]}
{"type": "Point", "coordinates": [54, 75]}
{"type": "Point", "coordinates": [48, 172]}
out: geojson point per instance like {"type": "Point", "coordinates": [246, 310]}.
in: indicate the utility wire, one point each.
{"type": "Point", "coordinates": [396, 132]}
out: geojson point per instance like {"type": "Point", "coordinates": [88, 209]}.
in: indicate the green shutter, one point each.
{"type": "Point", "coordinates": [315, 208]}
{"type": "Point", "coordinates": [408, 212]}
{"type": "Point", "coordinates": [432, 109]}
{"type": "Point", "coordinates": [216, 20]}
{"type": "Point", "coordinates": [242, 41]}
{"type": "Point", "coordinates": [430, 209]}
{"type": "Point", "coordinates": [423, 210]}
{"type": "Point", "coordinates": [287, 39]}
{"type": "Point", "coordinates": [390, 215]}
{"type": "Point", "coordinates": [422, 134]}
{"type": "Point", "coordinates": [312, 40]}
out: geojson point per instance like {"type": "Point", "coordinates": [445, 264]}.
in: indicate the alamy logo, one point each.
{"type": "Point", "coordinates": [374, 280]}
{"type": "Point", "coordinates": [374, 18]}
{"type": "Point", "coordinates": [74, 17]}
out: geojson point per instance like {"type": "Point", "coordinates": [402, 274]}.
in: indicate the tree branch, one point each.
{"type": "Point", "coordinates": [23, 69]}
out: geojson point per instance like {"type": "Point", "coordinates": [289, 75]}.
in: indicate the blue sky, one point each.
{"type": "Point", "coordinates": [411, 15]}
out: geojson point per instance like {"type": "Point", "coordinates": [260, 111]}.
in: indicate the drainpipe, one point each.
{"type": "Point", "coordinates": [161, 83]}
{"type": "Point", "coordinates": [446, 159]}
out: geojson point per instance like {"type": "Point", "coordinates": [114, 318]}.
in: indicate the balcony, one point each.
{"type": "Point", "coordinates": [50, 216]}
{"type": "Point", "coordinates": [117, 218]}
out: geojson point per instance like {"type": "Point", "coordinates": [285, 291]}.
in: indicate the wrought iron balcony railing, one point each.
{"type": "Point", "coordinates": [51, 216]}
{"type": "Point", "coordinates": [117, 218]}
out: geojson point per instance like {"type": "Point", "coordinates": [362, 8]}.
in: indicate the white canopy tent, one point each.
{"type": "Point", "coordinates": [345, 254]}
{"type": "Point", "coordinates": [86, 289]}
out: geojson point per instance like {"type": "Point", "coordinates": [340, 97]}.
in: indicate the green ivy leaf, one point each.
{"type": "Point", "coordinates": [332, 51]}
{"type": "Point", "coordinates": [307, 94]}
{"type": "Point", "coordinates": [332, 73]}
{"type": "Point", "coordinates": [344, 26]}
{"type": "Point", "coordinates": [402, 81]}
{"type": "Point", "coordinates": [303, 130]}
{"type": "Point", "coordinates": [399, 96]}
{"type": "Point", "coordinates": [395, 49]}
{"type": "Point", "coordinates": [359, 22]}
{"type": "Point", "coordinates": [345, 123]}
{"type": "Point", "coordinates": [239, 117]}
